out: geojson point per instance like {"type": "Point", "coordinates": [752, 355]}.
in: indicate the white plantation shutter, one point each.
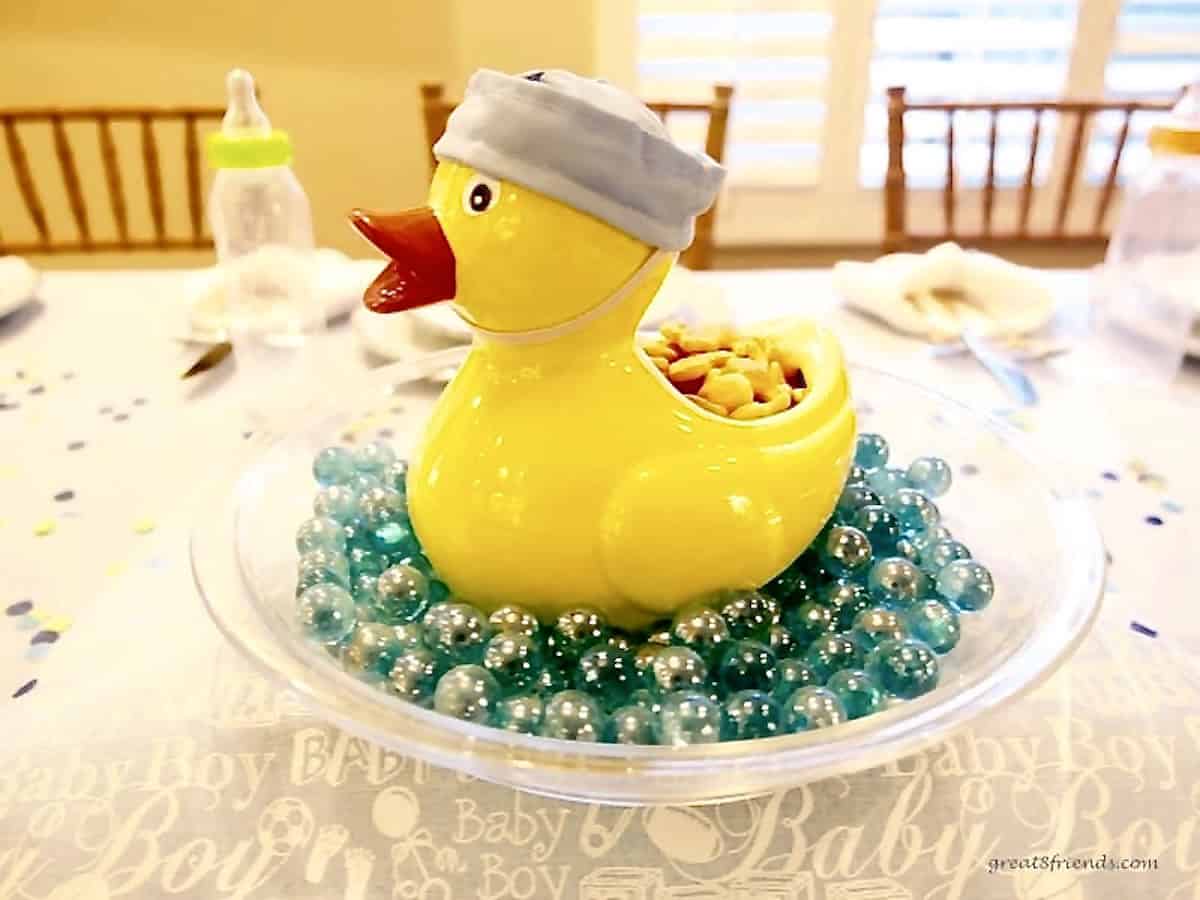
{"type": "Point", "coordinates": [774, 51]}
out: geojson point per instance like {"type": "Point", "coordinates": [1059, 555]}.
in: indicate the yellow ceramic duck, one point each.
{"type": "Point", "coordinates": [560, 468]}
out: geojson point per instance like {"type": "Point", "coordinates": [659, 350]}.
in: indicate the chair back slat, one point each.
{"type": "Point", "coordinates": [154, 188]}
{"type": "Point", "coordinates": [989, 186]}
{"type": "Point", "coordinates": [112, 178]}
{"type": "Point", "coordinates": [191, 152]}
{"type": "Point", "coordinates": [948, 191]}
{"type": "Point", "coordinates": [70, 176]}
{"type": "Point", "coordinates": [1071, 171]}
{"type": "Point", "coordinates": [1030, 171]}
{"type": "Point", "coordinates": [20, 165]}
{"type": "Point", "coordinates": [1110, 180]}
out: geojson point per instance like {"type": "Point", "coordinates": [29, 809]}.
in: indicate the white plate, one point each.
{"type": "Point", "coordinates": [18, 283]}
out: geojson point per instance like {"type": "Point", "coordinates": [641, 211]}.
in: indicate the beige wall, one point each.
{"type": "Point", "coordinates": [340, 76]}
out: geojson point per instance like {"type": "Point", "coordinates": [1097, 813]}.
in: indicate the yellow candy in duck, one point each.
{"type": "Point", "coordinates": [560, 468]}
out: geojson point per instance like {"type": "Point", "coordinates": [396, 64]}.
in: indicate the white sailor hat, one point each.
{"type": "Point", "coordinates": [587, 144]}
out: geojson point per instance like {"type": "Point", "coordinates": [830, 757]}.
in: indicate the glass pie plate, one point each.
{"type": "Point", "coordinates": [1038, 538]}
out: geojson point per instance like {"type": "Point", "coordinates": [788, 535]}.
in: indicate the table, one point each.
{"type": "Point", "coordinates": [142, 758]}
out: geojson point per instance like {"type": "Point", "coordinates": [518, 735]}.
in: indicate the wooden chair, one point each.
{"type": "Point", "coordinates": [896, 233]}
{"type": "Point", "coordinates": [436, 109]}
{"type": "Point", "coordinates": [53, 240]}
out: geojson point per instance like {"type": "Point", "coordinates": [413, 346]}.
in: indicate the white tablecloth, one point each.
{"type": "Point", "coordinates": [142, 758]}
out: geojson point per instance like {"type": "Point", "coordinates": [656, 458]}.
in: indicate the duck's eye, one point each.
{"type": "Point", "coordinates": [480, 195]}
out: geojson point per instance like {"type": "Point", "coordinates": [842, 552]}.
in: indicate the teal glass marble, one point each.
{"type": "Point", "coordinates": [401, 594]}
{"type": "Point", "coordinates": [845, 600]}
{"type": "Point", "coordinates": [320, 533]}
{"type": "Point", "coordinates": [880, 527]}
{"type": "Point", "coordinates": [857, 690]}
{"type": "Point", "coordinates": [573, 716]}
{"type": "Point", "coordinates": [703, 629]}
{"type": "Point", "coordinates": [808, 621]}
{"type": "Point", "coordinates": [632, 724]}
{"type": "Point", "coordinates": [457, 632]}
{"type": "Point", "coordinates": [922, 541]}
{"type": "Point", "coordinates": [752, 714]}
{"type": "Point", "coordinates": [906, 548]}
{"type": "Point", "coordinates": [648, 699]}
{"type": "Point", "coordinates": [326, 613]}
{"type": "Point", "coordinates": [396, 475]}
{"type": "Point", "coordinates": [643, 661]}
{"type": "Point", "coordinates": [937, 556]}
{"type": "Point", "coordinates": [871, 451]}
{"type": "Point", "coordinates": [521, 713]}
{"type": "Point", "coordinates": [362, 482]}
{"type": "Point", "coordinates": [856, 475]}
{"type": "Point", "coordinates": [317, 566]}
{"type": "Point", "coordinates": [935, 623]}
{"type": "Point", "coordinates": [365, 589]}
{"type": "Point", "coordinates": [789, 586]}
{"type": "Point", "coordinates": [845, 551]}
{"type": "Point", "coordinates": [373, 458]}
{"type": "Point", "coordinates": [551, 680]}
{"type": "Point", "coordinates": [337, 502]}
{"type": "Point", "coordinates": [914, 512]}
{"type": "Point", "coordinates": [793, 675]}
{"type": "Point", "coordinates": [895, 582]}
{"type": "Point", "coordinates": [747, 664]}
{"type": "Point", "coordinates": [467, 692]}
{"type": "Point", "coordinates": [676, 669]}
{"type": "Point", "coordinates": [853, 498]}
{"type": "Point", "coordinates": [875, 625]}
{"type": "Point", "coordinates": [748, 614]}
{"type": "Point", "coordinates": [689, 718]}
{"type": "Point", "coordinates": [607, 673]}
{"type": "Point", "coordinates": [885, 482]}
{"type": "Point", "coordinates": [619, 640]}
{"type": "Point", "coordinates": [811, 708]}
{"type": "Point", "coordinates": [373, 651]}
{"type": "Point", "coordinates": [660, 634]}
{"type": "Point", "coordinates": [574, 632]}
{"type": "Point", "coordinates": [930, 475]}
{"type": "Point", "coordinates": [832, 652]}
{"type": "Point", "coordinates": [366, 562]}
{"type": "Point", "coordinates": [439, 591]}
{"type": "Point", "coordinates": [414, 676]}
{"type": "Point", "coordinates": [515, 660]}
{"type": "Point", "coordinates": [409, 557]}
{"type": "Point", "coordinates": [514, 619]}
{"type": "Point", "coordinates": [782, 642]}
{"type": "Point", "coordinates": [904, 669]}
{"type": "Point", "coordinates": [967, 584]}
{"type": "Point", "coordinates": [333, 465]}
{"type": "Point", "coordinates": [410, 634]}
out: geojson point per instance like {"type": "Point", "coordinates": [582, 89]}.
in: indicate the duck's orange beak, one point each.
{"type": "Point", "coordinates": [422, 267]}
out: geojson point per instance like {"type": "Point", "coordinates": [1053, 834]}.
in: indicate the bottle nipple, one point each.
{"type": "Point", "coordinates": [243, 115]}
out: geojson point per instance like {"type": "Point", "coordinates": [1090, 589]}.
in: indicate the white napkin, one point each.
{"type": "Point", "coordinates": [18, 283]}
{"type": "Point", "coordinates": [938, 294]}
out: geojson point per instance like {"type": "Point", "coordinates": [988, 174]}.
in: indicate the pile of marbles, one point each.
{"type": "Point", "coordinates": [854, 625]}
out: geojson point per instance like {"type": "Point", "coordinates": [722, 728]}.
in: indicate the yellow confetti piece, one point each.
{"type": "Point", "coordinates": [116, 569]}
{"type": "Point", "coordinates": [57, 623]}
{"type": "Point", "coordinates": [7, 472]}
{"type": "Point", "coordinates": [41, 529]}
{"type": "Point", "coordinates": [144, 526]}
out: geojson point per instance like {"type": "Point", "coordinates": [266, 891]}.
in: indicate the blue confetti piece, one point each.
{"type": "Point", "coordinates": [1110, 476]}
{"type": "Point", "coordinates": [20, 608]}
{"type": "Point", "coordinates": [1154, 520]}
{"type": "Point", "coordinates": [1143, 629]}
{"type": "Point", "coordinates": [45, 637]}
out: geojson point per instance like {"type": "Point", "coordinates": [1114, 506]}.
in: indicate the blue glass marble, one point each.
{"type": "Point", "coordinates": [914, 512]}
{"type": "Point", "coordinates": [808, 621]}
{"type": "Point", "coordinates": [904, 669]}
{"type": "Point", "coordinates": [366, 562]}
{"type": "Point", "coordinates": [752, 714]}
{"type": "Point", "coordinates": [895, 582]}
{"type": "Point", "coordinates": [467, 692]}
{"type": "Point", "coordinates": [937, 556]}
{"type": "Point", "coordinates": [832, 652]}
{"type": "Point", "coordinates": [515, 660]}
{"type": "Point", "coordinates": [845, 551]}
{"type": "Point", "coordinates": [326, 613]}
{"type": "Point", "coordinates": [573, 716]}
{"type": "Point", "coordinates": [935, 623]}
{"type": "Point", "coordinates": [574, 632]}
{"type": "Point", "coordinates": [415, 674]}
{"type": "Point", "coordinates": [930, 475]}
{"type": "Point", "coordinates": [875, 625]}
{"type": "Point", "coordinates": [966, 584]}
{"type": "Point", "coordinates": [871, 451]}
{"type": "Point", "coordinates": [880, 527]}
{"type": "Point", "coordinates": [632, 724]}
{"type": "Point", "coordinates": [396, 475]}
{"type": "Point", "coordinates": [318, 566]}
{"type": "Point", "coordinates": [811, 708]}
{"type": "Point", "coordinates": [845, 599]}
{"type": "Point", "coordinates": [515, 620]}
{"type": "Point", "coordinates": [749, 614]}
{"type": "Point", "coordinates": [853, 498]}
{"type": "Point", "coordinates": [782, 642]}
{"type": "Point", "coordinates": [607, 673]}
{"type": "Point", "coordinates": [320, 534]}
{"type": "Point", "coordinates": [373, 458]}
{"type": "Point", "coordinates": [373, 651]}
{"type": "Point", "coordinates": [457, 632]}
{"type": "Point", "coordinates": [337, 502]}
{"type": "Point", "coordinates": [789, 586]}
{"type": "Point", "coordinates": [747, 664]}
{"type": "Point", "coordinates": [689, 718]}
{"type": "Point", "coordinates": [333, 465]}
{"type": "Point", "coordinates": [885, 482]}
{"type": "Point", "coordinates": [401, 594]}
{"type": "Point", "coordinates": [522, 713]}
{"type": "Point", "coordinates": [857, 690]}
{"type": "Point", "coordinates": [703, 629]}
{"type": "Point", "coordinates": [793, 674]}
{"type": "Point", "coordinates": [676, 669]}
